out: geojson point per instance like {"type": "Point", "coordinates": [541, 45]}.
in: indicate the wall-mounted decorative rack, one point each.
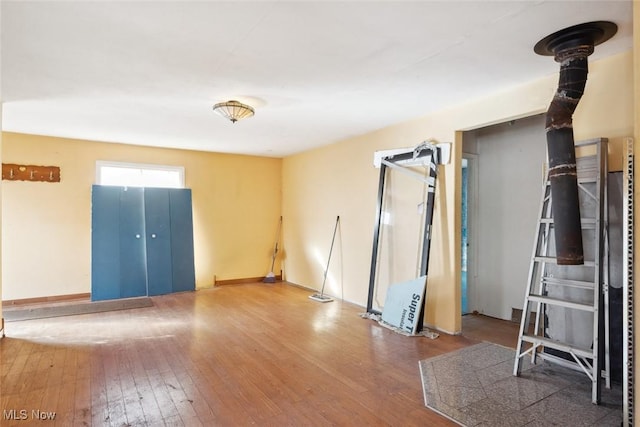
{"type": "Point", "coordinates": [13, 172]}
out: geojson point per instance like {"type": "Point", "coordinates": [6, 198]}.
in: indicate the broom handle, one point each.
{"type": "Point", "coordinates": [330, 251]}
{"type": "Point", "coordinates": [275, 249]}
{"type": "Point", "coordinates": [273, 258]}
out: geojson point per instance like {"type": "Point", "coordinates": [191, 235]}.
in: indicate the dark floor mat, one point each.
{"type": "Point", "coordinates": [29, 313]}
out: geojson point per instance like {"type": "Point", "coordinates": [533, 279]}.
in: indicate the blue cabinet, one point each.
{"type": "Point", "coordinates": [142, 242]}
{"type": "Point", "coordinates": [158, 226]}
{"type": "Point", "coordinates": [132, 243]}
{"type": "Point", "coordinates": [105, 243]}
{"type": "Point", "coordinates": [182, 261]}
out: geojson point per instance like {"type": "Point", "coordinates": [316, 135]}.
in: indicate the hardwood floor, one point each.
{"type": "Point", "coordinates": [490, 329]}
{"type": "Point", "coordinates": [251, 354]}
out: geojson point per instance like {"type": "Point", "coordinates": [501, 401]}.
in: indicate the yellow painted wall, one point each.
{"type": "Point", "coordinates": [1, 318]}
{"type": "Point", "coordinates": [339, 179]}
{"type": "Point", "coordinates": [46, 228]}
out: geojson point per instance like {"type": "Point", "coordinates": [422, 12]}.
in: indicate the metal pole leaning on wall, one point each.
{"type": "Point", "coordinates": [376, 240]}
{"type": "Point", "coordinates": [629, 340]}
{"type": "Point", "coordinates": [428, 225]}
{"type": "Point", "coordinates": [321, 297]}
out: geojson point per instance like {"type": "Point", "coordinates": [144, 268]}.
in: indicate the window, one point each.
{"type": "Point", "coordinates": [139, 175]}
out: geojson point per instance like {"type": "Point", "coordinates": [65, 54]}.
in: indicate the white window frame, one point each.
{"type": "Point", "coordinates": [142, 166]}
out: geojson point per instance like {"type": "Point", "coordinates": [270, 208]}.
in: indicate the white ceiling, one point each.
{"type": "Point", "coordinates": [316, 72]}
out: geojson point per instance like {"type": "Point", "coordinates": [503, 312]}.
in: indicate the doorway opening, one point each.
{"type": "Point", "coordinates": [502, 174]}
{"type": "Point", "coordinates": [467, 239]}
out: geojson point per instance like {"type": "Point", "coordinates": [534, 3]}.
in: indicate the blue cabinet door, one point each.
{"type": "Point", "coordinates": [182, 240]}
{"type": "Point", "coordinates": [133, 268]}
{"type": "Point", "coordinates": [158, 233]}
{"type": "Point", "coordinates": [105, 243]}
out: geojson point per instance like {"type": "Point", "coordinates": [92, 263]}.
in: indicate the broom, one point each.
{"type": "Point", "coordinates": [271, 277]}
{"type": "Point", "coordinates": [321, 297]}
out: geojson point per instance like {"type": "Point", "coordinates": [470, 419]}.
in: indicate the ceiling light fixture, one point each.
{"type": "Point", "coordinates": [233, 110]}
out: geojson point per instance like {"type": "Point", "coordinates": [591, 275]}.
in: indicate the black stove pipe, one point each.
{"type": "Point", "coordinates": [571, 48]}
{"type": "Point", "coordinates": [562, 158]}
